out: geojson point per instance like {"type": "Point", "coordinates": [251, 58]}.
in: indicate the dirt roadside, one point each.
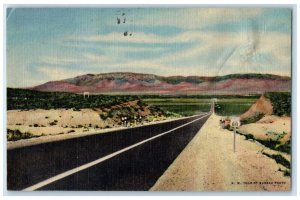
{"type": "Point", "coordinates": [209, 164]}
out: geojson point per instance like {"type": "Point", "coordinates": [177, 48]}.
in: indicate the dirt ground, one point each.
{"type": "Point", "coordinates": [59, 132]}
{"type": "Point", "coordinates": [269, 127]}
{"type": "Point", "coordinates": [208, 163]}
{"type": "Point", "coordinates": [52, 122]}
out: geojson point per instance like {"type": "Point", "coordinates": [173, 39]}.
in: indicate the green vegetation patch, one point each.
{"type": "Point", "coordinates": [279, 159]}
{"type": "Point", "coordinates": [14, 135]}
{"type": "Point", "coordinates": [180, 106]}
{"type": "Point", "coordinates": [251, 75]}
{"type": "Point", "coordinates": [270, 143]}
{"type": "Point", "coordinates": [281, 102]}
{"type": "Point", "coordinates": [192, 105]}
{"type": "Point", "coordinates": [233, 107]}
{"type": "Point", "coordinates": [276, 135]}
{"type": "Point", "coordinates": [285, 147]}
{"type": "Point", "coordinates": [29, 99]}
{"type": "Point", "coordinates": [256, 117]}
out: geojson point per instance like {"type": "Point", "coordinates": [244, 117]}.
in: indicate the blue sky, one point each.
{"type": "Point", "coordinates": [46, 44]}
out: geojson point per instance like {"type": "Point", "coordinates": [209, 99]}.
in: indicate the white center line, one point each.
{"type": "Point", "coordinates": [95, 162]}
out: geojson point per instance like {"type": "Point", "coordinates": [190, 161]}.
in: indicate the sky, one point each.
{"type": "Point", "coordinates": [44, 44]}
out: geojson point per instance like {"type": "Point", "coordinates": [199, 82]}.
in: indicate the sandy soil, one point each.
{"type": "Point", "coordinates": [55, 132]}
{"type": "Point", "coordinates": [63, 121]}
{"type": "Point", "coordinates": [268, 128]}
{"type": "Point", "coordinates": [208, 163]}
{"type": "Point", "coordinates": [40, 122]}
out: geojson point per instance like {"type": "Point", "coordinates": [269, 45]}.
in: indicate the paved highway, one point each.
{"type": "Point", "coordinates": [125, 160]}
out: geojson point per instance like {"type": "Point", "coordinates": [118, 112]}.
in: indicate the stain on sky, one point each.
{"type": "Point", "coordinates": [121, 18]}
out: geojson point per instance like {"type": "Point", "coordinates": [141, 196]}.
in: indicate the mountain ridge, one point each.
{"type": "Point", "coordinates": [140, 83]}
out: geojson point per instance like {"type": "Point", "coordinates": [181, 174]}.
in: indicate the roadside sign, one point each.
{"type": "Point", "coordinates": [235, 122]}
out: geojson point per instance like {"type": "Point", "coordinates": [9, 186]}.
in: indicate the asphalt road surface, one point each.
{"type": "Point", "coordinates": [125, 160]}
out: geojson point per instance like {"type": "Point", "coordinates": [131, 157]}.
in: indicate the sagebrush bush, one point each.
{"type": "Point", "coordinates": [281, 102]}
{"type": "Point", "coordinates": [256, 117]}
{"type": "Point", "coordinates": [14, 135]}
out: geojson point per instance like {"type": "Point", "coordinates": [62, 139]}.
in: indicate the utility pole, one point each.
{"type": "Point", "coordinates": [234, 139]}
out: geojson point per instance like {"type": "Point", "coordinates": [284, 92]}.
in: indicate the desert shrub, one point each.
{"type": "Point", "coordinates": [154, 108]}
{"type": "Point", "coordinates": [140, 103]}
{"type": "Point", "coordinates": [172, 114]}
{"type": "Point", "coordinates": [118, 112]}
{"type": "Point", "coordinates": [103, 116]}
{"type": "Point", "coordinates": [279, 159]}
{"type": "Point", "coordinates": [256, 117]}
{"type": "Point", "coordinates": [14, 135]}
{"type": "Point", "coordinates": [249, 137]}
{"type": "Point", "coordinates": [286, 173]}
{"type": "Point", "coordinates": [281, 102]}
{"type": "Point", "coordinates": [52, 123]}
{"type": "Point", "coordinates": [228, 127]}
{"type": "Point", "coordinates": [286, 147]}
{"type": "Point", "coordinates": [35, 125]}
{"type": "Point", "coordinates": [272, 144]}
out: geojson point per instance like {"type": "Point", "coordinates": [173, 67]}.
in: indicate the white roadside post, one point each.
{"type": "Point", "coordinates": [123, 121]}
{"type": "Point", "coordinates": [212, 107]}
{"type": "Point", "coordinates": [235, 122]}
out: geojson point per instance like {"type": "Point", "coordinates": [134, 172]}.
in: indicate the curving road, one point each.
{"type": "Point", "coordinates": [125, 160]}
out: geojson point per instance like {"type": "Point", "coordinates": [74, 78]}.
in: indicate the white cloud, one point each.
{"type": "Point", "coordinates": [92, 58]}
{"type": "Point", "coordinates": [236, 53]}
{"type": "Point", "coordinates": [140, 37]}
{"type": "Point", "coordinates": [59, 60]}
{"type": "Point", "coordinates": [196, 18]}
{"type": "Point", "coordinates": [114, 47]}
{"type": "Point", "coordinates": [214, 52]}
{"type": "Point", "coordinates": [49, 73]}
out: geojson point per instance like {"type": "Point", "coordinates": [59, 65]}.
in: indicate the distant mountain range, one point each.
{"type": "Point", "coordinates": [134, 83]}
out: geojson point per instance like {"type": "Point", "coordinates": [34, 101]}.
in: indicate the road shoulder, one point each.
{"type": "Point", "coordinates": [209, 164]}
